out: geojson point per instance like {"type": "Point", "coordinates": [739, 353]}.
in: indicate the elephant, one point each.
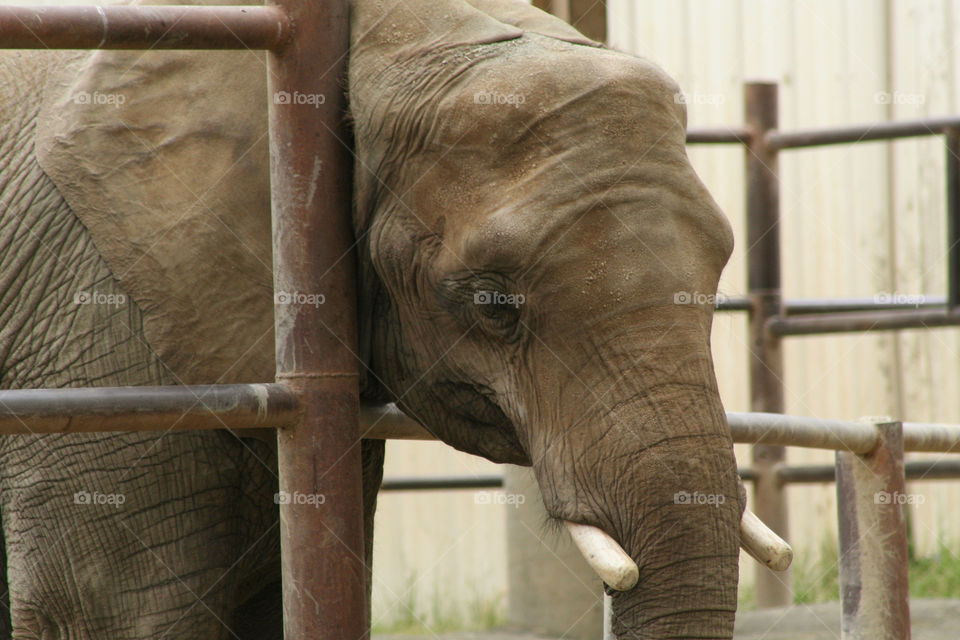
{"type": "Point", "coordinates": [533, 248]}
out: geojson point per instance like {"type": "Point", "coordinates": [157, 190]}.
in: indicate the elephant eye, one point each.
{"type": "Point", "coordinates": [499, 311]}
{"type": "Point", "coordinates": [485, 299]}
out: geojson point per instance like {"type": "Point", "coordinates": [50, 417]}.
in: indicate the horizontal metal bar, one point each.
{"type": "Point", "coordinates": [881, 320]}
{"type": "Point", "coordinates": [143, 27]}
{"type": "Point", "coordinates": [733, 304]}
{"type": "Point", "coordinates": [234, 406]}
{"type": "Point", "coordinates": [838, 305]}
{"type": "Point", "coordinates": [444, 483]}
{"type": "Point", "coordinates": [913, 469]}
{"type": "Point", "coordinates": [804, 306]}
{"type": "Point", "coordinates": [861, 132]}
{"type": "Point", "coordinates": [252, 406]}
{"type": "Point", "coordinates": [943, 438]}
{"type": "Point", "coordinates": [814, 433]}
{"type": "Point", "coordinates": [696, 135]}
{"type": "Point", "coordinates": [441, 483]}
{"type": "Point", "coordinates": [808, 474]}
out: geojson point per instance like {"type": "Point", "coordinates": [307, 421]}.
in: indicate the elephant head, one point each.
{"type": "Point", "coordinates": [538, 257]}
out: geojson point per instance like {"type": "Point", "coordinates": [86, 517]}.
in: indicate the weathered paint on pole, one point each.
{"type": "Point", "coordinates": [871, 504]}
{"type": "Point", "coordinates": [321, 546]}
{"type": "Point", "coordinates": [766, 357]}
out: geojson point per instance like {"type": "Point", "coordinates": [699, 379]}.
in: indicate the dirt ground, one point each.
{"type": "Point", "coordinates": [931, 620]}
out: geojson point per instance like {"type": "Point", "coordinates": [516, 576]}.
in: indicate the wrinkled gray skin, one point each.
{"type": "Point", "coordinates": [581, 199]}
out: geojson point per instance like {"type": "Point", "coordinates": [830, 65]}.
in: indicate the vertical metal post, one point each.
{"type": "Point", "coordinates": [589, 17]}
{"type": "Point", "coordinates": [953, 217]}
{"type": "Point", "coordinates": [319, 459]}
{"type": "Point", "coordinates": [871, 500]}
{"type": "Point", "coordinates": [766, 358]}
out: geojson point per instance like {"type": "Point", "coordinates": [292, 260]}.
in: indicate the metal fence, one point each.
{"type": "Point", "coordinates": [871, 502]}
{"type": "Point", "coordinates": [314, 404]}
{"type": "Point", "coordinates": [771, 318]}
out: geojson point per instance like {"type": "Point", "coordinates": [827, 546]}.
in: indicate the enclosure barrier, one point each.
{"type": "Point", "coordinates": [874, 581]}
{"type": "Point", "coordinates": [772, 318]}
{"type": "Point", "coordinates": [314, 403]}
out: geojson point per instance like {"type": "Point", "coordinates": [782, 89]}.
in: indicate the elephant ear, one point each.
{"type": "Point", "coordinates": [163, 156]}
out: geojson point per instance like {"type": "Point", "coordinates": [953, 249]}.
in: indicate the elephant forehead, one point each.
{"type": "Point", "coordinates": [542, 93]}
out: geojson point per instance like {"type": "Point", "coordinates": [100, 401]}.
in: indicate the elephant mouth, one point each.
{"type": "Point", "coordinates": [475, 423]}
{"type": "Point", "coordinates": [473, 403]}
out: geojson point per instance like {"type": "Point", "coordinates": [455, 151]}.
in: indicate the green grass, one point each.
{"type": "Point", "coordinates": [410, 616]}
{"type": "Point", "coordinates": [936, 575]}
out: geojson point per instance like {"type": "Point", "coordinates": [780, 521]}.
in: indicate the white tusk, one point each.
{"type": "Point", "coordinates": [763, 544]}
{"type": "Point", "coordinates": [605, 556]}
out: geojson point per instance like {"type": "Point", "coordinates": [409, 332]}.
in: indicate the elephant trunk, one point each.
{"type": "Point", "coordinates": [654, 469]}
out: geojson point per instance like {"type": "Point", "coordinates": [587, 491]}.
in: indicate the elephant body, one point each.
{"type": "Point", "coordinates": [524, 215]}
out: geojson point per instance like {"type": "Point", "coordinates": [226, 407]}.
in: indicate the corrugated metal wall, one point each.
{"type": "Point", "coordinates": [859, 220]}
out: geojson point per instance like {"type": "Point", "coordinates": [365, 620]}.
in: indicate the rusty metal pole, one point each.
{"type": "Point", "coordinates": [766, 358]}
{"type": "Point", "coordinates": [871, 503]}
{"type": "Point", "coordinates": [319, 459]}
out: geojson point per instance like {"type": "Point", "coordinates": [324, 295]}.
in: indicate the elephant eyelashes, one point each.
{"type": "Point", "coordinates": [500, 317]}
{"type": "Point", "coordinates": [486, 301]}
